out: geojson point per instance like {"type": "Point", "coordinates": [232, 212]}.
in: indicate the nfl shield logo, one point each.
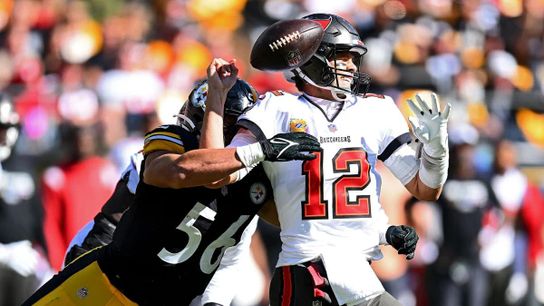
{"type": "Point", "coordinates": [332, 127]}
{"type": "Point", "coordinates": [293, 58]}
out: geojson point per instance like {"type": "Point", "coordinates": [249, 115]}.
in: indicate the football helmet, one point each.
{"type": "Point", "coordinates": [340, 36]}
{"type": "Point", "coordinates": [9, 126]}
{"type": "Point", "coordinates": [240, 96]}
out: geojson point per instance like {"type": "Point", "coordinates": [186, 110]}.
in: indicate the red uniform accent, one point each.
{"type": "Point", "coordinates": [287, 286]}
{"type": "Point", "coordinates": [72, 195]}
{"type": "Point", "coordinates": [324, 23]}
{"type": "Point", "coordinates": [316, 277]}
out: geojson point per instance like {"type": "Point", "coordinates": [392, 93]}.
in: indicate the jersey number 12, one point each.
{"type": "Point", "coordinates": [316, 207]}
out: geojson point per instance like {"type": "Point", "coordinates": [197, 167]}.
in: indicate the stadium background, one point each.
{"type": "Point", "coordinates": [116, 68]}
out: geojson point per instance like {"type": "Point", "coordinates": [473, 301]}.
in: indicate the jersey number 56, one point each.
{"type": "Point", "coordinates": [195, 237]}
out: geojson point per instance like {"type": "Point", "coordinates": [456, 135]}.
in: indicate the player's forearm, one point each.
{"type": "Point", "coordinates": [432, 174]}
{"type": "Point", "coordinates": [408, 168]}
{"type": "Point", "coordinates": [193, 168]}
{"type": "Point", "coordinates": [421, 191]}
{"type": "Point", "coordinates": [212, 127]}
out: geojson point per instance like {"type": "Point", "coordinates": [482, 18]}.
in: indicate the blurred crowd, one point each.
{"type": "Point", "coordinates": [89, 78]}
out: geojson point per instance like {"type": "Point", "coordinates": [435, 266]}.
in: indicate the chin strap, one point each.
{"type": "Point", "coordinates": [336, 92]}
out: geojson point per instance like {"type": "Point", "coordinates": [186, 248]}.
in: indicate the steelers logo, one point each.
{"type": "Point", "coordinates": [200, 94]}
{"type": "Point", "coordinates": [257, 193]}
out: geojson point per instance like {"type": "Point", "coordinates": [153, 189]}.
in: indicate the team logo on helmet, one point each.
{"type": "Point", "coordinates": [324, 22]}
{"type": "Point", "coordinates": [257, 193]}
{"type": "Point", "coordinates": [298, 125]}
{"type": "Point", "coordinates": [200, 95]}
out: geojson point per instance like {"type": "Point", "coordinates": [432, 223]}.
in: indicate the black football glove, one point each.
{"type": "Point", "coordinates": [403, 238]}
{"type": "Point", "coordinates": [290, 146]}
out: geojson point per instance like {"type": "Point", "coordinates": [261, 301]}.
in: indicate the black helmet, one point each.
{"type": "Point", "coordinates": [9, 126]}
{"type": "Point", "coordinates": [240, 96]}
{"type": "Point", "coordinates": [340, 36]}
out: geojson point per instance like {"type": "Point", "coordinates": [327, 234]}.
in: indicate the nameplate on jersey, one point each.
{"type": "Point", "coordinates": [335, 139]}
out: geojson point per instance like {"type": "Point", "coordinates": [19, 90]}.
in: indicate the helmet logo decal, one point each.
{"type": "Point", "coordinates": [200, 95]}
{"type": "Point", "coordinates": [324, 22]}
{"type": "Point", "coordinates": [298, 125]}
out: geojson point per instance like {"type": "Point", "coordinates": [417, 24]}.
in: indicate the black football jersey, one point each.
{"type": "Point", "coordinates": [168, 245]}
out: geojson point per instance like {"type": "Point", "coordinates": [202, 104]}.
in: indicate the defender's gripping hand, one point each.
{"type": "Point", "coordinates": [403, 238]}
{"type": "Point", "coordinates": [290, 146]}
{"type": "Point", "coordinates": [430, 125]}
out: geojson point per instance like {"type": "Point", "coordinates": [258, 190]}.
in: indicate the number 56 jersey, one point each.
{"type": "Point", "coordinates": [331, 202]}
{"type": "Point", "coordinates": [170, 242]}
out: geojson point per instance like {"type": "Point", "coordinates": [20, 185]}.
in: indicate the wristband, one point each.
{"type": "Point", "coordinates": [433, 171]}
{"type": "Point", "coordinates": [251, 154]}
{"type": "Point", "coordinates": [382, 233]}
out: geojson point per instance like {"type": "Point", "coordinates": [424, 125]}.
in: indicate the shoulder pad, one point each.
{"type": "Point", "coordinates": [171, 128]}
{"type": "Point", "coordinates": [170, 137]}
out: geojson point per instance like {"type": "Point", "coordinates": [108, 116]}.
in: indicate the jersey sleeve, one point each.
{"type": "Point", "coordinates": [395, 133]}
{"type": "Point", "coordinates": [171, 138]}
{"type": "Point", "coordinates": [258, 118]}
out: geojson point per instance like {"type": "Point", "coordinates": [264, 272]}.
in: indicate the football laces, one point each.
{"type": "Point", "coordinates": [284, 40]}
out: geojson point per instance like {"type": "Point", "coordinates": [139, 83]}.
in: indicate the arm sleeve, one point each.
{"type": "Point", "coordinates": [222, 288]}
{"type": "Point", "coordinates": [258, 119]}
{"type": "Point", "coordinates": [395, 130]}
{"type": "Point", "coordinates": [403, 163]}
{"type": "Point", "coordinates": [400, 158]}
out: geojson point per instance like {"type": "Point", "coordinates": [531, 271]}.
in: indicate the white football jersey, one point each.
{"type": "Point", "coordinates": [331, 202]}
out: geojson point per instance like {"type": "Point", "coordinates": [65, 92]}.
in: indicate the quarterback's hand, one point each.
{"type": "Point", "coordinates": [430, 125]}
{"type": "Point", "coordinates": [290, 146]}
{"type": "Point", "coordinates": [403, 238]}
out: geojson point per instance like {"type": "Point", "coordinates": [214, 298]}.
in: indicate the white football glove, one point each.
{"type": "Point", "coordinates": [20, 256]}
{"type": "Point", "coordinates": [430, 125]}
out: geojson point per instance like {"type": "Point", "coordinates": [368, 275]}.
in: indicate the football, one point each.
{"type": "Point", "coordinates": [287, 44]}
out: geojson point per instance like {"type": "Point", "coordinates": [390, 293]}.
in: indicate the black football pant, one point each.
{"type": "Point", "coordinates": [306, 284]}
